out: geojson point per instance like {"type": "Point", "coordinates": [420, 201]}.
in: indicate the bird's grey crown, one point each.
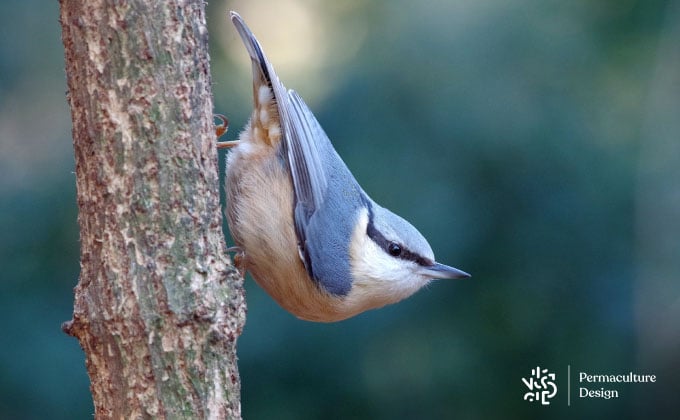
{"type": "Point", "coordinates": [385, 227]}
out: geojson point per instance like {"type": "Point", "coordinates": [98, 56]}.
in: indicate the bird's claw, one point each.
{"type": "Point", "coordinates": [239, 259]}
{"type": "Point", "coordinates": [221, 128]}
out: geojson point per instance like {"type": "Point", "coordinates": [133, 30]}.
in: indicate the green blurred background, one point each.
{"type": "Point", "coordinates": [535, 143]}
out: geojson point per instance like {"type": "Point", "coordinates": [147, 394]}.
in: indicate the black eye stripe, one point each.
{"type": "Point", "coordinates": [388, 246]}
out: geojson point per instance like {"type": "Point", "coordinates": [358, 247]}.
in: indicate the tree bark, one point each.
{"type": "Point", "coordinates": [158, 306]}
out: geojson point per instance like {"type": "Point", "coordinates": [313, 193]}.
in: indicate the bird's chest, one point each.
{"type": "Point", "coordinates": [260, 206]}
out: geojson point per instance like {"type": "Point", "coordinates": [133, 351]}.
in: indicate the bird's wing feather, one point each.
{"type": "Point", "coordinates": [301, 134]}
{"type": "Point", "coordinates": [301, 139]}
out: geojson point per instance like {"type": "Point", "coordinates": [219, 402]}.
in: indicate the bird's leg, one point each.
{"type": "Point", "coordinates": [227, 144]}
{"type": "Point", "coordinates": [222, 128]}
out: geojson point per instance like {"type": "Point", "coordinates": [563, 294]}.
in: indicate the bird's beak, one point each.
{"type": "Point", "coordinates": [441, 271]}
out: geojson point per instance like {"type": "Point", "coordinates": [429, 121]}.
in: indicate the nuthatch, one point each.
{"type": "Point", "coordinates": [309, 234]}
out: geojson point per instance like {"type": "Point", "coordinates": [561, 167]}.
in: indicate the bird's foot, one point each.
{"type": "Point", "coordinates": [222, 128]}
{"type": "Point", "coordinates": [239, 259]}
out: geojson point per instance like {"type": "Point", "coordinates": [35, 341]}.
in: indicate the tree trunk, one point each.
{"type": "Point", "coordinates": [158, 306]}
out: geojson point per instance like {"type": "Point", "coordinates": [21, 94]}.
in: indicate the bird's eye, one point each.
{"type": "Point", "coordinates": [394, 249]}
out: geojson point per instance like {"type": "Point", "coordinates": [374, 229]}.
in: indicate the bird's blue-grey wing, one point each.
{"type": "Point", "coordinates": [322, 219]}
{"type": "Point", "coordinates": [298, 130]}
{"type": "Point", "coordinates": [326, 197]}
{"type": "Point", "coordinates": [307, 172]}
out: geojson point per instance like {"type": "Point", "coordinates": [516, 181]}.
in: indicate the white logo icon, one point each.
{"type": "Point", "coordinates": [541, 386]}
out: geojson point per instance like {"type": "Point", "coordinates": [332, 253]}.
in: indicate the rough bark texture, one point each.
{"type": "Point", "coordinates": [158, 306]}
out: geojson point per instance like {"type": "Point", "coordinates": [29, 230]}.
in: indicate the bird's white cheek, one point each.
{"type": "Point", "coordinates": [376, 275]}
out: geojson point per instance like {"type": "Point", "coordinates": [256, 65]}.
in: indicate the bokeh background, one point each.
{"type": "Point", "coordinates": [535, 143]}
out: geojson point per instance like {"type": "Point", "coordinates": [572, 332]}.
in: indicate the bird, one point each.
{"type": "Point", "coordinates": [305, 230]}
